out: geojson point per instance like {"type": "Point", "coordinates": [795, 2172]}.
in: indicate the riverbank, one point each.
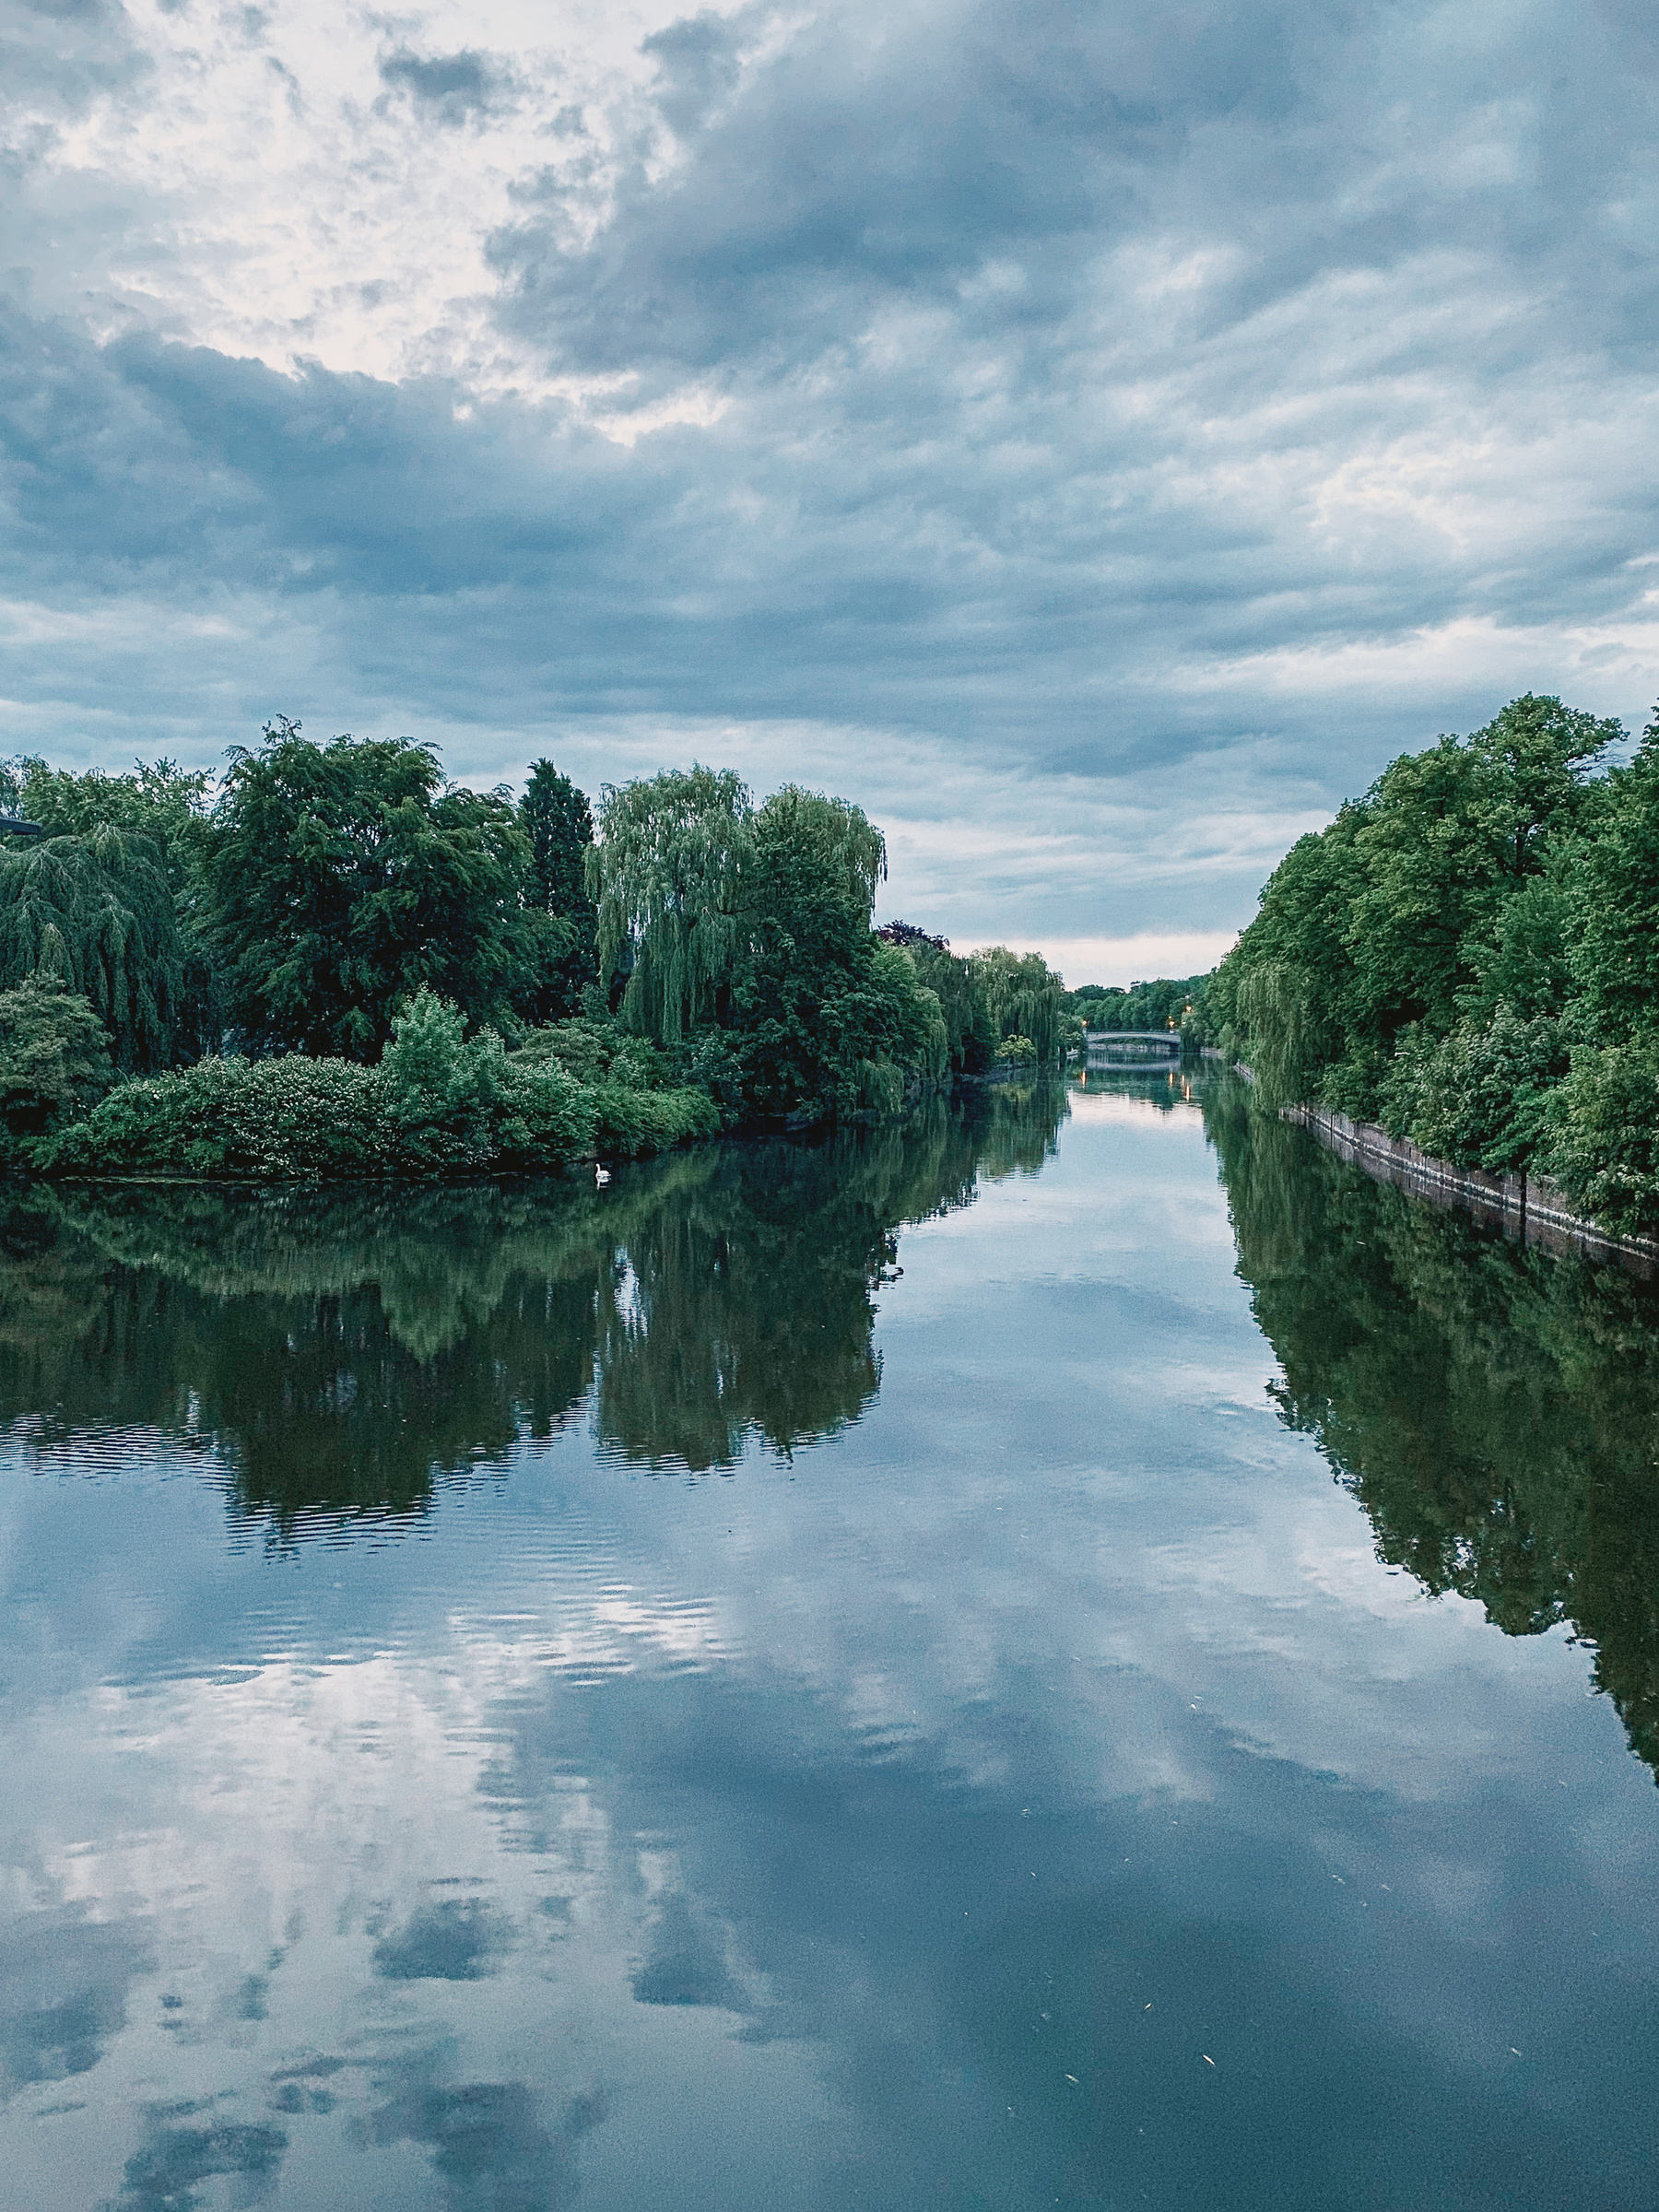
{"type": "Point", "coordinates": [1528, 1207]}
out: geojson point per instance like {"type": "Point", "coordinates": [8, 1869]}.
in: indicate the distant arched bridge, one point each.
{"type": "Point", "coordinates": [1169, 1038]}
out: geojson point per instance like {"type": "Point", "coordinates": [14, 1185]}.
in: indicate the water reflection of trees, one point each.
{"type": "Point", "coordinates": [1494, 1410]}
{"type": "Point", "coordinates": [340, 1352]}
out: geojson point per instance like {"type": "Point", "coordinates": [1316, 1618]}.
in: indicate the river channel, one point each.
{"type": "Point", "coordinates": [1075, 1651]}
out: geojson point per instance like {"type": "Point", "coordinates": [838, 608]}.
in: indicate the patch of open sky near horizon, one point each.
{"type": "Point", "coordinates": [1095, 441]}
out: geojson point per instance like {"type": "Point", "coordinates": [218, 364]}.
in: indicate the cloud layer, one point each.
{"type": "Point", "coordinates": [1095, 441]}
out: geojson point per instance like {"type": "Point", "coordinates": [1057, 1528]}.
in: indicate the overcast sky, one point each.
{"type": "Point", "coordinates": [1096, 438]}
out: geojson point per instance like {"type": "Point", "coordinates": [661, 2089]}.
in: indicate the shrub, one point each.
{"type": "Point", "coordinates": [583, 1048]}
{"type": "Point", "coordinates": [544, 1117]}
{"type": "Point", "coordinates": [440, 1089]}
{"type": "Point", "coordinates": [630, 1122]}
{"type": "Point", "coordinates": [1020, 1051]}
{"type": "Point", "coordinates": [54, 1056]}
{"type": "Point", "coordinates": [598, 1052]}
{"type": "Point", "coordinates": [441, 1103]}
{"type": "Point", "coordinates": [714, 1067]}
{"type": "Point", "coordinates": [289, 1120]}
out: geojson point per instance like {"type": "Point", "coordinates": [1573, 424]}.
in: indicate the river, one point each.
{"type": "Point", "coordinates": [1073, 1652]}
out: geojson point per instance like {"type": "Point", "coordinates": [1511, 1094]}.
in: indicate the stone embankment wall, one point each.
{"type": "Point", "coordinates": [1528, 1207]}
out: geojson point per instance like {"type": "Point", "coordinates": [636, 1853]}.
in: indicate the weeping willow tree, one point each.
{"type": "Point", "coordinates": [1024, 997]}
{"type": "Point", "coordinates": [668, 878]}
{"type": "Point", "coordinates": [97, 914]}
{"type": "Point", "coordinates": [1277, 1030]}
{"type": "Point", "coordinates": [842, 850]}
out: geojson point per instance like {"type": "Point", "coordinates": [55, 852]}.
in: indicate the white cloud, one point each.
{"type": "Point", "coordinates": [1139, 958]}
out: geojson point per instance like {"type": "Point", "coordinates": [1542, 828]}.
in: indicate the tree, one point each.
{"type": "Point", "coordinates": [55, 1055]}
{"type": "Point", "coordinates": [96, 912]}
{"type": "Point", "coordinates": [1442, 895]}
{"type": "Point", "coordinates": [830, 1018]}
{"type": "Point", "coordinates": [959, 988]}
{"type": "Point", "coordinates": [1537, 757]}
{"type": "Point", "coordinates": [554, 816]}
{"type": "Point", "coordinates": [666, 876]}
{"type": "Point", "coordinates": [1025, 998]}
{"type": "Point", "coordinates": [1165, 1004]}
{"type": "Point", "coordinates": [169, 805]}
{"type": "Point", "coordinates": [1613, 895]}
{"type": "Point", "coordinates": [346, 875]}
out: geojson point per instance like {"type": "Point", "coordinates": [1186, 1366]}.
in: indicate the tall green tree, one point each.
{"type": "Point", "coordinates": [154, 799]}
{"type": "Point", "coordinates": [556, 817]}
{"type": "Point", "coordinates": [171, 806]}
{"type": "Point", "coordinates": [54, 1056]}
{"type": "Point", "coordinates": [1615, 898]}
{"type": "Point", "coordinates": [1536, 758]}
{"type": "Point", "coordinates": [1025, 998]}
{"type": "Point", "coordinates": [666, 876]}
{"type": "Point", "coordinates": [960, 991]}
{"type": "Point", "coordinates": [1432, 901]}
{"type": "Point", "coordinates": [346, 875]}
{"type": "Point", "coordinates": [96, 913]}
{"type": "Point", "coordinates": [828, 1018]}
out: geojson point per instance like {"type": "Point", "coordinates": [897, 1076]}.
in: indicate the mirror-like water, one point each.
{"type": "Point", "coordinates": [977, 1664]}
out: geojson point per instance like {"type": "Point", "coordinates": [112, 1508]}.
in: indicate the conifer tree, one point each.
{"type": "Point", "coordinates": [555, 815]}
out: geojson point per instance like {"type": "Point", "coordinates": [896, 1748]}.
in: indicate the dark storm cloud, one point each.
{"type": "Point", "coordinates": [895, 157]}
{"type": "Point", "coordinates": [1092, 398]}
{"type": "Point", "coordinates": [858, 162]}
{"type": "Point", "coordinates": [451, 87]}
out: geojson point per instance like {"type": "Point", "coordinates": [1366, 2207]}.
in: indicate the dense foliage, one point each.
{"type": "Point", "coordinates": [438, 1103]}
{"type": "Point", "coordinates": [346, 876]}
{"type": "Point", "coordinates": [337, 965]}
{"type": "Point", "coordinates": [54, 1056]}
{"type": "Point", "coordinates": [1468, 954]}
{"type": "Point", "coordinates": [96, 912]}
{"type": "Point", "coordinates": [1167, 1003]}
{"type": "Point", "coordinates": [744, 936]}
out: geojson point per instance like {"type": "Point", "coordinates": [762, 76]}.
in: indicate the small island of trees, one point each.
{"type": "Point", "coordinates": [333, 964]}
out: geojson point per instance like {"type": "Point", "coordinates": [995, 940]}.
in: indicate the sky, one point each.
{"type": "Point", "coordinates": [1096, 440]}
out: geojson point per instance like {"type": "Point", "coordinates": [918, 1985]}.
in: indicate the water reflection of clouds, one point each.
{"type": "Point", "coordinates": [305, 1836]}
{"type": "Point", "coordinates": [857, 1807]}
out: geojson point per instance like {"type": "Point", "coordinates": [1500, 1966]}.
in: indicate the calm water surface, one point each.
{"type": "Point", "coordinates": [1077, 1653]}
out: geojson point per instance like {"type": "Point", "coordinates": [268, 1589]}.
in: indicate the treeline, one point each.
{"type": "Point", "coordinates": [333, 964]}
{"type": "Point", "coordinates": [1170, 1003]}
{"type": "Point", "coordinates": [1469, 955]}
